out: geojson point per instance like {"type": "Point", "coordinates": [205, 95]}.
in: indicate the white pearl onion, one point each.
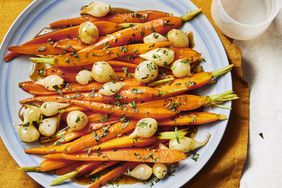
{"type": "Point", "coordinates": [145, 128]}
{"type": "Point", "coordinates": [97, 9]}
{"type": "Point", "coordinates": [31, 114]}
{"type": "Point", "coordinates": [141, 172]}
{"type": "Point", "coordinates": [88, 33]}
{"type": "Point", "coordinates": [52, 108]}
{"type": "Point", "coordinates": [48, 126]}
{"type": "Point", "coordinates": [83, 77]}
{"type": "Point", "coordinates": [103, 72]}
{"type": "Point", "coordinates": [161, 56]}
{"type": "Point", "coordinates": [181, 68]}
{"type": "Point", "coordinates": [178, 38]}
{"type": "Point", "coordinates": [28, 133]}
{"type": "Point", "coordinates": [160, 170]}
{"type": "Point", "coordinates": [51, 82]}
{"type": "Point", "coordinates": [146, 71]}
{"type": "Point", "coordinates": [154, 38]}
{"type": "Point", "coordinates": [77, 120]}
{"type": "Point", "coordinates": [111, 88]}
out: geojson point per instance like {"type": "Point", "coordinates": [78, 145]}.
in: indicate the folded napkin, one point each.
{"type": "Point", "coordinates": [225, 167]}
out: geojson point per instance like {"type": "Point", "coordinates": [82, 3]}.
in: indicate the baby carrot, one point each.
{"type": "Point", "coordinates": [83, 169]}
{"type": "Point", "coordinates": [112, 175]}
{"type": "Point", "coordinates": [100, 136]}
{"type": "Point", "coordinates": [135, 17]}
{"type": "Point", "coordinates": [194, 118]}
{"type": "Point", "coordinates": [86, 56]}
{"type": "Point", "coordinates": [48, 165]}
{"type": "Point", "coordinates": [128, 154]}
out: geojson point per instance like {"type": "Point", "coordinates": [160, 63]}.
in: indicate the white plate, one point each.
{"type": "Point", "coordinates": [42, 12]}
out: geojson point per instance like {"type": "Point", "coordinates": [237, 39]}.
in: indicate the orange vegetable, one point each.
{"type": "Point", "coordinates": [102, 167]}
{"type": "Point", "coordinates": [48, 165]}
{"type": "Point", "coordinates": [70, 45]}
{"type": "Point", "coordinates": [67, 169]}
{"type": "Point", "coordinates": [88, 56]}
{"type": "Point", "coordinates": [46, 149]}
{"type": "Point", "coordinates": [128, 154]}
{"type": "Point", "coordinates": [135, 17]}
{"type": "Point", "coordinates": [132, 112]}
{"type": "Point", "coordinates": [124, 142]}
{"type": "Point", "coordinates": [197, 80]}
{"type": "Point", "coordinates": [100, 136]}
{"type": "Point", "coordinates": [112, 175]}
{"type": "Point", "coordinates": [194, 118]}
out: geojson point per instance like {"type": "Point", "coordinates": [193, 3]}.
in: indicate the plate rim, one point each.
{"type": "Point", "coordinates": [36, 3]}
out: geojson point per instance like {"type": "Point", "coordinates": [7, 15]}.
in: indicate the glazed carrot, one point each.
{"type": "Point", "coordinates": [36, 49]}
{"type": "Point", "coordinates": [128, 154]}
{"type": "Point", "coordinates": [135, 17]}
{"type": "Point", "coordinates": [70, 45]}
{"type": "Point", "coordinates": [137, 33]}
{"type": "Point", "coordinates": [46, 149]}
{"type": "Point", "coordinates": [36, 89]}
{"type": "Point", "coordinates": [186, 53]}
{"type": "Point", "coordinates": [48, 165]}
{"type": "Point", "coordinates": [100, 136]}
{"type": "Point", "coordinates": [194, 118]}
{"type": "Point", "coordinates": [190, 102]}
{"type": "Point", "coordinates": [133, 112]}
{"type": "Point", "coordinates": [85, 56]}
{"type": "Point", "coordinates": [83, 169]}
{"type": "Point", "coordinates": [67, 169]}
{"type": "Point", "coordinates": [125, 142]}
{"type": "Point", "coordinates": [112, 175]}
{"type": "Point", "coordinates": [103, 26]}
{"type": "Point", "coordinates": [102, 167]}
{"type": "Point", "coordinates": [197, 80]}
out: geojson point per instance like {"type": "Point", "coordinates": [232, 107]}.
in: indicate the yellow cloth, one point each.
{"type": "Point", "coordinates": [225, 167]}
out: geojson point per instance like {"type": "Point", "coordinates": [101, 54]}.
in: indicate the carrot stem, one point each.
{"type": "Point", "coordinates": [190, 15]}
{"type": "Point", "coordinates": [44, 60]}
{"type": "Point", "coordinates": [30, 169]}
{"type": "Point", "coordinates": [63, 178]}
{"type": "Point", "coordinates": [222, 71]}
{"type": "Point", "coordinates": [217, 100]}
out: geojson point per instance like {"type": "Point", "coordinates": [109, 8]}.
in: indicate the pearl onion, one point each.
{"type": "Point", "coordinates": [28, 134]}
{"type": "Point", "coordinates": [161, 56]}
{"type": "Point", "coordinates": [31, 114]}
{"type": "Point", "coordinates": [145, 128]}
{"type": "Point", "coordinates": [51, 82]}
{"type": "Point", "coordinates": [52, 108]}
{"type": "Point", "coordinates": [146, 71]}
{"type": "Point", "coordinates": [83, 77]}
{"type": "Point", "coordinates": [187, 144]}
{"type": "Point", "coordinates": [97, 9]}
{"type": "Point", "coordinates": [178, 38]}
{"type": "Point", "coordinates": [48, 126]}
{"type": "Point", "coordinates": [111, 88]}
{"type": "Point", "coordinates": [77, 120]}
{"type": "Point", "coordinates": [181, 68]}
{"type": "Point", "coordinates": [103, 72]}
{"type": "Point", "coordinates": [141, 172]}
{"type": "Point", "coordinates": [88, 32]}
{"type": "Point", "coordinates": [160, 170]}
{"type": "Point", "coordinates": [154, 38]}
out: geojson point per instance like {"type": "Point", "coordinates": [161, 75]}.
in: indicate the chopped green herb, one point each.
{"type": "Point", "coordinates": [195, 156]}
{"type": "Point", "coordinates": [56, 87]}
{"type": "Point", "coordinates": [96, 136]}
{"type": "Point", "coordinates": [123, 49]}
{"type": "Point", "coordinates": [41, 49]}
{"type": "Point", "coordinates": [106, 45]}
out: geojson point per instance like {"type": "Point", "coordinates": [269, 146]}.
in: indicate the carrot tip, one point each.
{"type": "Point", "coordinates": [222, 117]}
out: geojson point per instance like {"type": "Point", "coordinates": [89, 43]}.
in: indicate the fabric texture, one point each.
{"type": "Point", "coordinates": [225, 167]}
